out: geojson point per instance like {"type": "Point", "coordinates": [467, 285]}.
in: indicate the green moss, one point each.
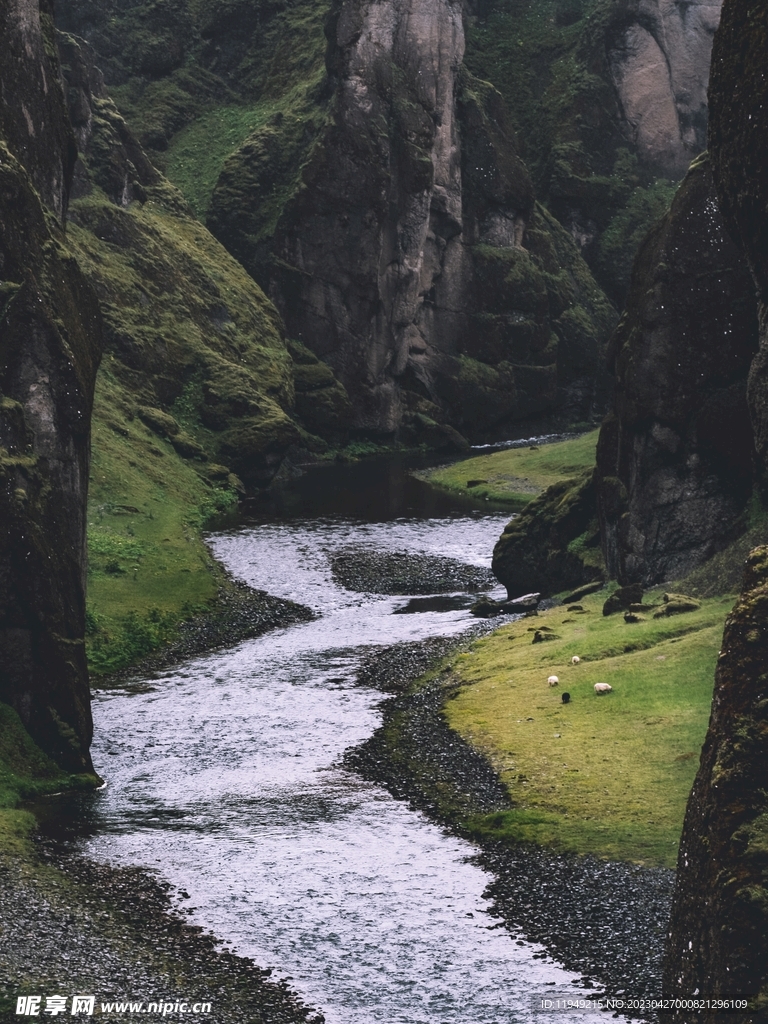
{"type": "Point", "coordinates": [26, 772]}
{"type": "Point", "coordinates": [603, 775]}
{"type": "Point", "coordinates": [626, 230]}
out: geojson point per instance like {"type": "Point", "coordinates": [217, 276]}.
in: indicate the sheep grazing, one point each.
{"type": "Point", "coordinates": [575, 659]}
{"type": "Point", "coordinates": [566, 698]}
{"type": "Point", "coordinates": [601, 688]}
{"type": "Point", "coordinates": [553, 681]}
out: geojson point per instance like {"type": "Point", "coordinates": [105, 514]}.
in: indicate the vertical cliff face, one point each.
{"type": "Point", "coordinates": [33, 119]}
{"type": "Point", "coordinates": [739, 142]}
{"type": "Point", "coordinates": [659, 60]}
{"type": "Point", "coordinates": [718, 942]}
{"type": "Point", "coordinates": [50, 343]}
{"type": "Point", "coordinates": [408, 252]}
{"type": "Point", "coordinates": [675, 454]}
{"type": "Point", "coordinates": [719, 936]}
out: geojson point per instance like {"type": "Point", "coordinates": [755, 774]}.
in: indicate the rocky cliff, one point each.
{"type": "Point", "coordinates": [659, 54]}
{"type": "Point", "coordinates": [609, 101]}
{"type": "Point", "coordinates": [409, 253]}
{"type": "Point", "coordinates": [675, 454]}
{"type": "Point", "coordinates": [718, 943]}
{"type": "Point", "coordinates": [50, 342]}
{"type": "Point", "coordinates": [719, 935]}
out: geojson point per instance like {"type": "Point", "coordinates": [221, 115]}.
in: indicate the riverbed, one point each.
{"type": "Point", "coordinates": [225, 774]}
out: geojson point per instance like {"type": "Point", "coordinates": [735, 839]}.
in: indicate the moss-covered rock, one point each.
{"type": "Point", "coordinates": [719, 928]}
{"type": "Point", "coordinates": [554, 544]}
{"type": "Point", "coordinates": [50, 346]}
{"type": "Point", "coordinates": [675, 455]}
{"type": "Point", "coordinates": [609, 100]}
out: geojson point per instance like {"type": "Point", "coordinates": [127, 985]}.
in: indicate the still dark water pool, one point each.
{"type": "Point", "coordinates": [225, 776]}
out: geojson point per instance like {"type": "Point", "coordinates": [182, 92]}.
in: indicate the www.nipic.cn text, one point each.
{"type": "Point", "coordinates": [52, 1006]}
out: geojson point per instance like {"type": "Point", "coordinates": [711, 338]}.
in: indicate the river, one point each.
{"type": "Point", "coordinates": [225, 775]}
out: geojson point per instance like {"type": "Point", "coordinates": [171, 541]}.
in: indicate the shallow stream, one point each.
{"type": "Point", "coordinates": [225, 776]}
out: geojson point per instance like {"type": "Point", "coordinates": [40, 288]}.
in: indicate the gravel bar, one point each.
{"type": "Point", "coordinates": [402, 572]}
{"type": "Point", "coordinates": [69, 926]}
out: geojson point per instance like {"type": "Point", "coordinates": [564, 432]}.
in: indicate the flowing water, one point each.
{"type": "Point", "coordinates": [225, 775]}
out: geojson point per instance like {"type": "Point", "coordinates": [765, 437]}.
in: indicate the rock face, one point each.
{"type": "Point", "coordinates": [659, 57]}
{"type": "Point", "coordinates": [554, 544]}
{"type": "Point", "coordinates": [739, 140]}
{"type": "Point", "coordinates": [410, 255]}
{"type": "Point", "coordinates": [719, 931]}
{"type": "Point", "coordinates": [719, 936]}
{"type": "Point", "coordinates": [50, 345]}
{"type": "Point", "coordinates": [675, 455]}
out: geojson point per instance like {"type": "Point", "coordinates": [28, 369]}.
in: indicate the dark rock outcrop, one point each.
{"type": "Point", "coordinates": [739, 141]}
{"type": "Point", "coordinates": [554, 544]}
{"type": "Point", "coordinates": [719, 933]}
{"type": "Point", "coordinates": [675, 455]}
{"type": "Point", "coordinates": [407, 251]}
{"type": "Point", "coordinates": [50, 345]}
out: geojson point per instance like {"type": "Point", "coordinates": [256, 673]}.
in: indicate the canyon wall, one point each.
{"type": "Point", "coordinates": [659, 54]}
{"type": "Point", "coordinates": [675, 453]}
{"type": "Point", "coordinates": [410, 255]}
{"type": "Point", "coordinates": [50, 345]}
{"type": "Point", "coordinates": [719, 933]}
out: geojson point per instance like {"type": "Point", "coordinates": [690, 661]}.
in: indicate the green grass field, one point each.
{"type": "Point", "coordinates": [606, 775]}
{"type": "Point", "coordinates": [516, 476]}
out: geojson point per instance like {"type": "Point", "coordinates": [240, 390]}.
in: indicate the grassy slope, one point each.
{"type": "Point", "coordinates": [148, 566]}
{"type": "Point", "coordinates": [279, 84]}
{"type": "Point", "coordinates": [606, 775]}
{"type": "Point", "coordinates": [517, 475]}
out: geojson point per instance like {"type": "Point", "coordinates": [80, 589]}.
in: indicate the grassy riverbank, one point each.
{"type": "Point", "coordinates": [515, 476]}
{"type": "Point", "coordinates": [148, 568]}
{"type": "Point", "coordinates": [605, 775]}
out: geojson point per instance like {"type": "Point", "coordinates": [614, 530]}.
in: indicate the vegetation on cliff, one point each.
{"type": "Point", "coordinates": [551, 62]}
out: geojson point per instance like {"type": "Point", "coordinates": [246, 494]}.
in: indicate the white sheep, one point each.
{"type": "Point", "coordinates": [575, 659]}
{"type": "Point", "coordinates": [553, 681]}
{"type": "Point", "coordinates": [601, 688]}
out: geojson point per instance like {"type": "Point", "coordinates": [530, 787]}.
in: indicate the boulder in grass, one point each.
{"type": "Point", "coordinates": [621, 599]}
{"type": "Point", "coordinates": [676, 604]}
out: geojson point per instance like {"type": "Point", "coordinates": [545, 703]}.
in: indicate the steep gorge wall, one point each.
{"type": "Point", "coordinates": [674, 461]}
{"type": "Point", "coordinates": [410, 255]}
{"type": "Point", "coordinates": [50, 345]}
{"type": "Point", "coordinates": [719, 935]}
{"type": "Point", "coordinates": [659, 55]}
